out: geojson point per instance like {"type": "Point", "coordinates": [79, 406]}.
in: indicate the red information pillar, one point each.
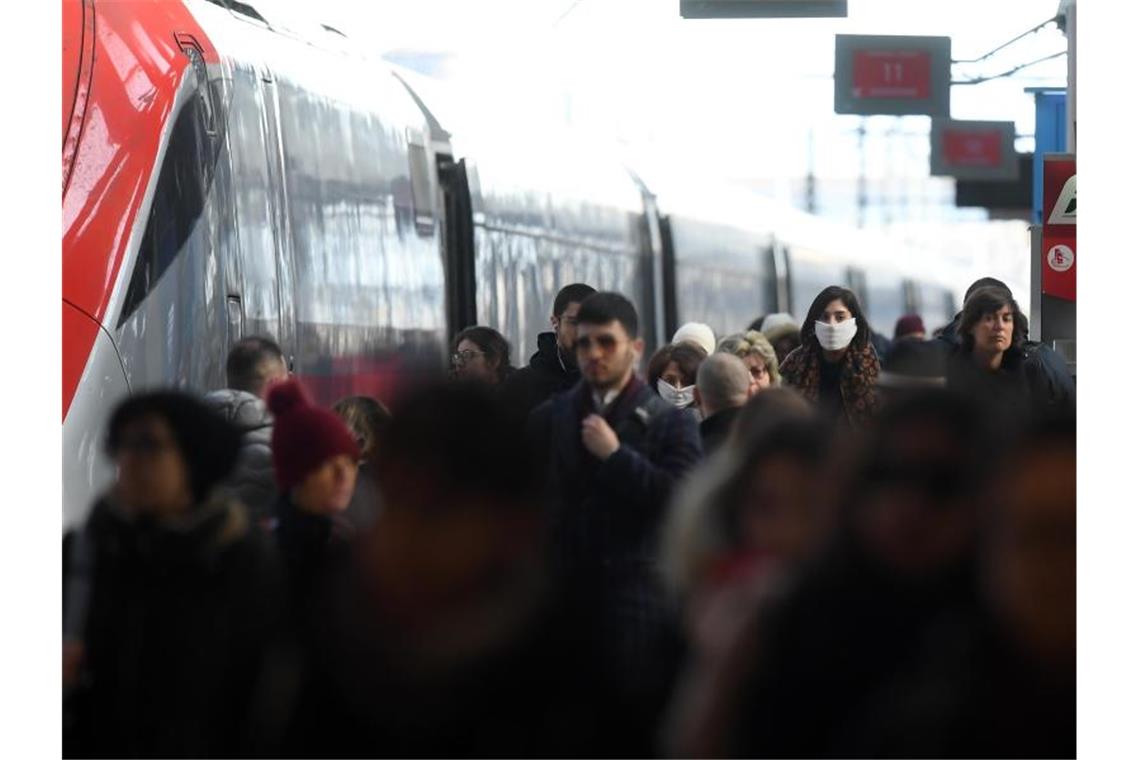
{"type": "Point", "coordinates": [1059, 231]}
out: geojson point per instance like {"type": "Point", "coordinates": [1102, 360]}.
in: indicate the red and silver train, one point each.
{"type": "Point", "coordinates": [225, 176]}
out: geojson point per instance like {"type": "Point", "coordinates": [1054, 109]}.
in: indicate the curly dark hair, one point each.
{"type": "Point", "coordinates": [826, 296]}
{"type": "Point", "coordinates": [987, 301]}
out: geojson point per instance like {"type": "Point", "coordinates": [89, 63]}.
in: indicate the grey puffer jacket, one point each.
{"type": "Point", "coordinates": [252, 480]}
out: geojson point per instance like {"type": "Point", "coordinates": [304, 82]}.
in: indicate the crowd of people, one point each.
{"type": "Point", "coordinates": [802, 539]}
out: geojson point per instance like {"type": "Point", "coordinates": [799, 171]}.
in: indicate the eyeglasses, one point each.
{"type": "Point", "coordinates": [462, 357]}
{"type": "Point", "coordinates": [607, 343]}
{"type": "Point", "coordinates": [758, 372]}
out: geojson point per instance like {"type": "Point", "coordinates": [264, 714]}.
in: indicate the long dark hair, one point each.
{"type": "Point", "coordinates": [826, 296]}
{"type": "Point", "coordinates": [986, 301]}
{"type": "Point", "coordinates": [491, 343]}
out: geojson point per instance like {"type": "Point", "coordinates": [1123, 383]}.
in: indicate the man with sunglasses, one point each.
{"type": "Point", "coordinates": [554, 367]}
{"type": "Point", "coordinates": [611, 451]}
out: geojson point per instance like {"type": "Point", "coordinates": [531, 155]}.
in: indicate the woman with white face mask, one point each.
{"type": "Point", "coordinates": [835, 365]}
{"type": "Point", "coordinates": [673, 374]}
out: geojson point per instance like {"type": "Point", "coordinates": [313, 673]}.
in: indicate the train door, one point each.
{"type": "Point", "coordinates": [279, 216]}
{"type": "Point", "coordinates": [668, 276]}
{"type": "Point", "coordinates": [774, 269]}
{"type": "Point", "coordinates": [458, 243]}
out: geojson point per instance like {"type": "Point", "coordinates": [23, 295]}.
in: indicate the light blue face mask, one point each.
{"type": "Point", "coordinates": [678, 397]}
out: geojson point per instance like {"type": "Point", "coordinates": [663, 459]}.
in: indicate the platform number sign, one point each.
{"type": "Point", "coordinates": [892, 75]}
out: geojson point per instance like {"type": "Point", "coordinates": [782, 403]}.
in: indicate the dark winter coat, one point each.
{"type": "Point", "coordinates": [308, 543]}
{"type": "Point", "coordinates": [1044, 369]}
{"type": "Point", "coordinates": [547, 374]}
{"type": "Point", "coordinates": [184, 620]}
{"type": "Point", "coordinates": [715, 429]}
{"type": "Point", "coordinates": [802, 370]}
{"type": "Point", "coordinates": [974, 693]}
{"type": "Point", "coordinates": [606, 517]}
{"type": "Point", "coordinates": [251, 481]}
{"type": "Point", "coordinates": [1018, 389]}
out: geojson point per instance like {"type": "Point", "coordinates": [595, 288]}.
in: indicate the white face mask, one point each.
{"type": "Point", "coordinates": [835, 337]}
{"type": "Point", "coordinates": [678, 397]}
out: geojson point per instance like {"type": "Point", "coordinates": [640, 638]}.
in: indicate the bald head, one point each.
{"type": "Point", "coordinates": [722, 383]}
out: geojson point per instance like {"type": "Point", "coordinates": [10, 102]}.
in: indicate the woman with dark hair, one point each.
{"type": "Point", "coordinates": [481, 354]}
{"type": "Point", "coordinates": [989, 363]}
{"type": "Point", "coordinates": [672, 373]}
{"type": "Point", "coordinates": [835, 365]}
{"type": "Point", "coordinates": [172, 597]}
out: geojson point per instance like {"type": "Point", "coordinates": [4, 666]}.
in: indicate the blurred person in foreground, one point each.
{"type": "Point", "coordinates": [254, 364]}
{"type": "Point", "coordinates": [835, 365]}
{"type": "Point", "coordinates": [1001, 683]}
{"type": "Point", "coordinates": [722, 389]}
{"type": "Point", "coordinates": [795, 669]}
{"type": "Point", "coordinates": [177, 599]}
{"type": "Point", "coordinates": [553, 368]}
{"type": "Point", "coordinates": [367, 419]}
{"type": "Point", "coordinates": [481, 354]}
{"type": "Point", "coordinates": [440, 635]}
{"type": "Point", "coordinates": [611, 451]}
{"type": "Point", "coordinates": [744, 523]}
{"type": "Point", "coordinates": [758, 356]}
{"type": "Point", "coordinates": [672, 374]}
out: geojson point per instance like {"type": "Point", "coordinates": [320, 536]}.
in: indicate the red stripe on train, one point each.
{"type": "Point", "coordinates": [133, 81]}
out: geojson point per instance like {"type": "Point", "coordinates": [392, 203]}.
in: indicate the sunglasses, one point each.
{"type": "Point", "coordinates": [606, 343]}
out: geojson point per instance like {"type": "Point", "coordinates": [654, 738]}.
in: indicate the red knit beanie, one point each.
{"type": "Point", "coordinates": [304, 436]}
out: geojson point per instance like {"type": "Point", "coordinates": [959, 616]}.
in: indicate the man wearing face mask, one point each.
{"type": "Point", "coordinates": [835, 366]}
{"type": "Point", "coordinates": [611, 451]}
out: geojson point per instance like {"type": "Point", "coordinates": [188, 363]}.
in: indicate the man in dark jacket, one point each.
{"type": "Point", "coordinates": [253, 365]}
{"type": "Point", "coordinates": [1041, 361]}
{"type": "Point", "coordinates": [722, 389]}
{"type": "Point", "coordinates": [554, 367]}
{"type": "Point", "coordinates": [613, 450]}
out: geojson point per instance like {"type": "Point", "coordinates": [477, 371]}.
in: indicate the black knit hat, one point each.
{"type": "Point", "coordinates": [207, 442]}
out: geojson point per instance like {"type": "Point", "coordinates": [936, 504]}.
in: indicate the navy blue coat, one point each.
{"type": "Point", "coordinates": [605, 519]}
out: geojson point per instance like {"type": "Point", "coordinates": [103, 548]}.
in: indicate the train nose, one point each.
{"type": "Point", "coordinates": [93, 383]}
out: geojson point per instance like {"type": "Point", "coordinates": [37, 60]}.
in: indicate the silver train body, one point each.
{"type": "Point", "coordinates": [314, 196]}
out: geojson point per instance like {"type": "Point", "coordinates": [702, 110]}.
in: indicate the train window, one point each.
{"type": "Point", "coordinates": [421, 189]}
{"type": "Point", "coordinates": [179, 199]}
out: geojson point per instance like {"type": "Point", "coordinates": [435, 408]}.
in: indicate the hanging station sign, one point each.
{"type": "Point", "coordinates": [763, 8]}
{"type": "Point", "coordinates": [974, 150]}
{"type": "Point", "coordinates": [892, 75]}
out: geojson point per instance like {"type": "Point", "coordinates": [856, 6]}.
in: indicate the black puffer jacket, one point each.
{"type": "Point", "coordinates": [251, 482]}
{"type": "Point", "coordinates": [1045, 373]}
{"type": "Point", "coordinates": [185, 617]}
{"type": "Point", "coordinates": [548, 373]}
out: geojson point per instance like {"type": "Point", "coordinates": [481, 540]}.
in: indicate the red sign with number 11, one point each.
{"type": "Point", "coordinates": [902, 74]}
